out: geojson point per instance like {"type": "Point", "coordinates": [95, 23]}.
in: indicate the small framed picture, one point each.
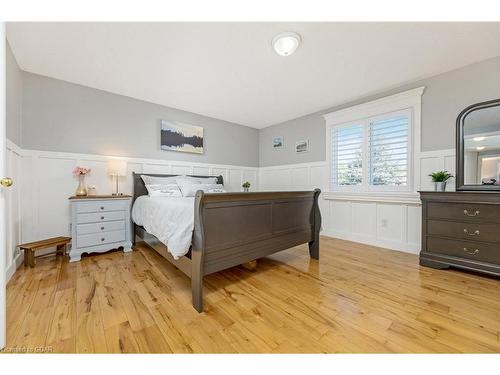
{"type": "Point", "coordinates": [278, 143]}
{"type": "Point", "coordinates": [301, 146]}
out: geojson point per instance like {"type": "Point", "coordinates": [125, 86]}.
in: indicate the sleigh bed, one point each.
{"type": "Point", "coordinates": [235, 228]}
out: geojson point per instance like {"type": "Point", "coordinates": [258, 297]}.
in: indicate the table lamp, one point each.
{"type": "Point", "coordinates": [117, 168]}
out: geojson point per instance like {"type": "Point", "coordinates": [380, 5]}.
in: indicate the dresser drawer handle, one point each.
{"type": "Point", "coordinates": [102, 207]}
{"type": "Point", "coordinates": [102, 228]}
{"type": "Point", "coordinates": [476, 251]}
{"type": "Point", "coordinates": [476, 233]}
{"type": "Point", "coordinates": [466, 212]}
{"type": "Point", "coordinates": [102, 217]}
{"type": "Point", "coordinates": [102, 239]}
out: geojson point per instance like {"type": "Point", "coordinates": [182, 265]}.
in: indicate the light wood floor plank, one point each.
{"type": "Point", "coordinates": [356, 299]}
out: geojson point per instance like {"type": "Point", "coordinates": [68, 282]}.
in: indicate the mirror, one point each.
{"type": "Point", "coordinates": [478, 147]}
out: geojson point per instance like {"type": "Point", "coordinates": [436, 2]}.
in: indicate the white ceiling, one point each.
{"type": "Point", "coordinates": [229, 70]}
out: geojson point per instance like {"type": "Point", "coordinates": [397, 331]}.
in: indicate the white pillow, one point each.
{"type": "Point", "coordinates": [189, 190]}
{"type": "Point", "coordinates": [152, 180]}
{"type": "Point", "coordinates": [196, 180]}
{"type": "Point", "coordinates": [169, 190]}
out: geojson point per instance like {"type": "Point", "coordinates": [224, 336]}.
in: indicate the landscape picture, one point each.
{"type": "Point", "coordinates": [301, 146]}
{"type": "Point", "coordinates": [278, 142]}
{"type": "Point", "coordinates": [177, 136]}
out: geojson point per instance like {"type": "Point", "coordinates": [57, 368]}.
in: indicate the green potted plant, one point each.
{"type": "Point", "coordinates": [440, 178]}
{"type": "Point", "coordinates": [246, 186]}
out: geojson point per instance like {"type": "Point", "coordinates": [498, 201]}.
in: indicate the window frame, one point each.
{"type": "Point", "coordinates": [408, 103]}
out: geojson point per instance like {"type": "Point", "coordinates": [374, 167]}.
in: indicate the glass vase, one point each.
{"type": "Point", "coordinates": [81, 190]}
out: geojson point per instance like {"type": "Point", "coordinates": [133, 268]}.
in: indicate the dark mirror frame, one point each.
{"type": "Point", "coordinates": [460, 185]}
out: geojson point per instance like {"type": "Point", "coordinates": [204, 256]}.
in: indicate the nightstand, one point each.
{"type": "Point", "coordinates": [99, 224]}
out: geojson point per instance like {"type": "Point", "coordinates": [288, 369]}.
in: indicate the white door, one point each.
{"type": "Point", "coordinates": [3, 242]}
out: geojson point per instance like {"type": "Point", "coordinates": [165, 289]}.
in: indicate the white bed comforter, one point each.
{"type": "Point", "coordinates": [170, 219]}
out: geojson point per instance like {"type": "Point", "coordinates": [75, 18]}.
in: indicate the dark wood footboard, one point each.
{"type": "Point", "coordinates": [235, 228]}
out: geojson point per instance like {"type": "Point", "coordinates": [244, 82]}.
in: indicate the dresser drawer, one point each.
{"type": "Point", "coordinates": [101, 206]}
{"type": "Point", "coordinates": [94, 239]}
{"type": "Point", "coordinates": [98, 217]}
{"type": "Point", "coordinates": [465, 249]}
{"type": "Point", "coordinates": [106, 226]}
{"type": "Point", "coordinates": [463, 211]}
{"type": "Point", "coordinates": [468, 231]}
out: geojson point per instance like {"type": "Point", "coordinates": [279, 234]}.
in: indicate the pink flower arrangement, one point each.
{"type": "Point", "coordinates": [78, 171]}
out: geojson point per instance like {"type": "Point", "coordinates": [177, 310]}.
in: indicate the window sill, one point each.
{"type": "Point", "coordinates": [382, 197]}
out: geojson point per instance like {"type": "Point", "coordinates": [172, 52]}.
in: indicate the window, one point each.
{"type": "Point", "coordinates": [347, 155]}
{"type": "Point", "coordinates": [372, 153]}
{"type": "Point", "coordinates": [373, 148]}
{"type": "Point", "coordinates": [388, 151]}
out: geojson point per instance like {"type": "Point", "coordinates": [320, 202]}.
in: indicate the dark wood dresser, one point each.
{"type": "Point", "coordinates": [461, 229]}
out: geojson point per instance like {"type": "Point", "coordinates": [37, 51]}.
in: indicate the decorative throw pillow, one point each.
{"type": "Point", "coordinates": [169, 190]}
{"type": "Point", "coordinates": [196, 180]}
{"type": "Point", "coordinates": [189, 190]}
{"type": "Point", "coordinates": [152, 180]}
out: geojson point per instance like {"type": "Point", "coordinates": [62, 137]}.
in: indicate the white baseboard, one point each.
{"type": "Point", "coordinates": [391, 245]}
{"type": "Point", "coordinates": [11, 268]}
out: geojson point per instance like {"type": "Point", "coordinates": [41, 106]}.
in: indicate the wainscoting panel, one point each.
{"type": "Point", "coordinates": [363, 218]}
{"type": "Point", "coordinates": [432, 161]}
{"type": "Point", "coordinates": [54, 184]}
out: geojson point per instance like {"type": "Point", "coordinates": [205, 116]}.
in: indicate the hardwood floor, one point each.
{"type": "Point", "coordinates": [357, 298]}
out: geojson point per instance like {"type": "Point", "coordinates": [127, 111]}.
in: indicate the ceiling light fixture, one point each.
{"type": "Point", "coordinates": [479, 148]}
{"type": "Point", "coordinates": [286, 43]}
{"type": "Point", "coordinates": [478, 139]}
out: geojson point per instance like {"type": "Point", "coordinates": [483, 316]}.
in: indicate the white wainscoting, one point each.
{"type": "Point", "coordinates": [37, 205]}
{"type": "Point", "coordinates": [432, 161]}
{"type": "Point", "coordinates": [388, 220]}
{"type": "Point", "coordinates": [44, 180]}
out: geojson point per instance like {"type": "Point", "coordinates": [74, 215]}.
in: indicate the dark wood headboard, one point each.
{"type": "Point", "coordinates": [140, 187]}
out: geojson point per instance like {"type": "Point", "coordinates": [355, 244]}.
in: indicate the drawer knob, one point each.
{"type": "Point", "coordinates": [475, 233]}
{"type": "Point", "coordinates": [102, 217]}
{"type": "Point", "coordinates": [102, 207]}
{"type": "Point", "coordinates": [471, 252]}
{"type": "Point", "coordinates": [475, 213]}
{"type": "Point", "coordinates": [102, 228]}
{"type": "Point", "coordinates": [102, 239]}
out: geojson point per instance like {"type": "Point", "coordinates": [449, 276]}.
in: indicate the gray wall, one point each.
{"type": "Point", "coordinates": [13, 97]}
{"type": "Point", "coordinates": [61, 116]}
{"type": "Point", "coordinates": [444, 97]}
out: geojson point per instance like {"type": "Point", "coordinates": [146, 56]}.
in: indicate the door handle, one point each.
{"type": "Point", "coordinates": [6, 182]}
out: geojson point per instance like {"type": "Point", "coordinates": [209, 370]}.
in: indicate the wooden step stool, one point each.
{"type": "Point", "coordinates": [60, 243]}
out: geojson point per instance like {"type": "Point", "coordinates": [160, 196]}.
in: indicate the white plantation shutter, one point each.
{"type": "Point", "coordinates": [347, 155]}
{"type": "Point", "coordinates": [372, 154]}
{"type": "Point", "coordinates": [388, 151]}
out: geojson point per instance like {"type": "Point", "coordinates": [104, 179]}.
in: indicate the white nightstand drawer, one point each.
{"type": "Point", "coordinates": [101, 206]}
{"type": "Point", "coordinates": [106, 226]}
{"type": "Point", "coordinates": [98, 217]}
{"type": "Point", "coordinates": [94, 239]}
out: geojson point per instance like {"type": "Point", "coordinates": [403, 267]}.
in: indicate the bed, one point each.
{"type": "Point", "coordinates": [233, 228]}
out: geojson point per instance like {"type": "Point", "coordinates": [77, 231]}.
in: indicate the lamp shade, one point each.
{"type": "Point", "coordinates": [117, 167]}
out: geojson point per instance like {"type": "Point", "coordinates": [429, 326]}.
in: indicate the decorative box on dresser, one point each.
{"type": "Point", "coordinates": [461, 229]}
{"type": "Point", "coordinates": [99, 224]}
